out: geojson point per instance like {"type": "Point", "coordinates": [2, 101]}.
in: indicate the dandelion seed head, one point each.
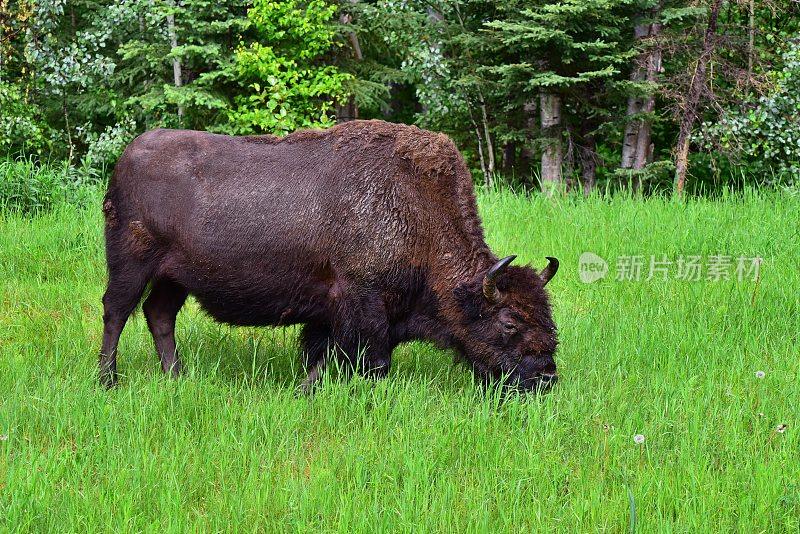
{"type": "Point", "coordinates": [638, 439]}
{"type": "Point", "coordinates": [760, 374]}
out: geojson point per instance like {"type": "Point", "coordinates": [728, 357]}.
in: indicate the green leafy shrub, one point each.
{"type": "Point", "coordinates": [31, 187]}
{"type": "Point", "coordinates": [765, 133]}
{"type": "Point", "coordinates": [21, 126]}
{"type": "Point", "coordinates": [288, 85]}
{"type": "Point", "coordinates": [104, 148]}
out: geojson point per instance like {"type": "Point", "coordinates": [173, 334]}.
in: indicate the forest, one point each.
{"type": "Point", "coordinates": [646, 95]}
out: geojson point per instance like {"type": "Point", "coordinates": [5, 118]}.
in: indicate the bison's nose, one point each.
{"type": "Point", "coordinates": [545, 375]}
{"type": "Point", "coordinates": [547, 380]}
{"type": "Point", "coordinates": [538, 372]}
{"type": "Point", "coordinates": [543, 366]}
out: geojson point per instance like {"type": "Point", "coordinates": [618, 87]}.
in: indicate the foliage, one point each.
{"type": "Point", "coordinates": [206, 33]}
{"type": "Point", "coordinates": [288, 88]}
{"type": "Point", "coordinates": [578, 42]}
{"type": "Point", "coordinates": [389, 33]}
{"type": "Point", "coordinates": [22, 129]}
{"type": "Point", "coordinates": [80, 78]}
{"type": "Point", "coordinates": [766, 131]}
{"type": "Point", "coordinates": [29, 187]}
{"type": "Point", "coordinates": [579, 50]}
{"type": "Point", "coordinates": [103, 148]}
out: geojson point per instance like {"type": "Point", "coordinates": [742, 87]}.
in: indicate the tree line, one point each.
{"type": "Point", "coordinates": [575, 94]}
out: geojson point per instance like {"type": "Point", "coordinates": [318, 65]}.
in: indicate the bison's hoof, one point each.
{"type": "Point", "coordinates": [109, 380]}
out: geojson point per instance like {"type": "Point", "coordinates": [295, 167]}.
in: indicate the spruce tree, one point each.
{"type": "Point", "coordinates": [568, 53]}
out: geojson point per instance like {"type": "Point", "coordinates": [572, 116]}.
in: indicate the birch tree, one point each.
{"type": "Point", "coordinates": [636, 145]}
{"type": "Point", "coordinates": [176, 60]}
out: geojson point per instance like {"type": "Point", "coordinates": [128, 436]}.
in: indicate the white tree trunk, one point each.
{"type": "Point", "coordinates": [487, 177]}
{"type": "Point", "coordinates": [348, 111]}
{"type": "Point", "coordinates": [489, 144]}
{"type": "Point", "coordinates": [643, 141]}
{"type": "Point", "coordinates": [632, 127]}
{"type": "Point", "coordinates": [176, 62]}
{"type": "Point", "coordinates": [636, 143]}
{"type": "Point", "coordinates": [552, 152]}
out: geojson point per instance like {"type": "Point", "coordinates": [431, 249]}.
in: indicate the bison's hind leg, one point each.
{"type": "Point", "coordinates": [161, 309]}
{"type": "Point", "coordinates": [126, 283]}
{"type": "Point", "coordinates": [317, 343]}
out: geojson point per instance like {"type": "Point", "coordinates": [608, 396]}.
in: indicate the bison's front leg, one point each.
{"type": "Point", "coordinates": [377, 361]}
{"type": "Point", "coordinates": [314, 375]}
{"type": "Point", "coordinates": [357, 337]}
{"type": "Point", "coordinates": [361, 332]}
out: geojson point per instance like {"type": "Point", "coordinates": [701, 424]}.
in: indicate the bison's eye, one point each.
{"type": "Point", "coordinates": [509, 328]}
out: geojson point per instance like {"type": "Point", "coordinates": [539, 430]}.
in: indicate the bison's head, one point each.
{"type": "Point", "coordinates": [506, 325]}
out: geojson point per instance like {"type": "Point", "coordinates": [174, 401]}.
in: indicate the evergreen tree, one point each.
{"type": "Point", "coordinates": [569, 53]}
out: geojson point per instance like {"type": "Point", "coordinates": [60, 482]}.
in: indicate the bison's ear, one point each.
{"type": "Point", "coordinates": [469, 296]}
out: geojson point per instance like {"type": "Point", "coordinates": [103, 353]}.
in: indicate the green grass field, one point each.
{"type": "Point", "coordinates": [229, 447]}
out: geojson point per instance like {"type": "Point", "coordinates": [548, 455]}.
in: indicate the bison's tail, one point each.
{"type": "Point", "coordinates": [126, 234]}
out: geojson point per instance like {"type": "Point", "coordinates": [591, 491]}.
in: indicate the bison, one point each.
{"type": "Point", "coordinates": [366, 233]}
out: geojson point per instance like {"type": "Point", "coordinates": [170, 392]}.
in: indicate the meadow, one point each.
{"type": "Point", "coordinates": [707, 371]}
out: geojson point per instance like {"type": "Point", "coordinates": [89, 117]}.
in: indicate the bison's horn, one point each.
{"type": "Point", "coordinates": [549, 271]}
{"type": "Point", "coordinates": [490, 280]}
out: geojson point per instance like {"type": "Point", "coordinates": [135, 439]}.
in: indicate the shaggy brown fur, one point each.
{"type": "Point", "coordinates": [367, 233]}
